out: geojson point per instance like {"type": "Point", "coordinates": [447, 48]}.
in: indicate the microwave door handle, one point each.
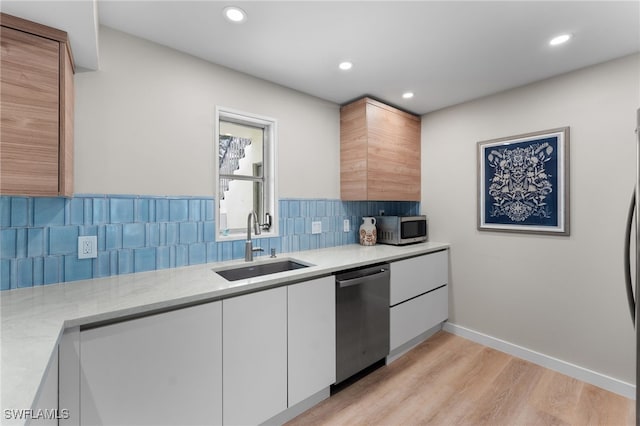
{"type": "Point", "coordinates": [627, 258]}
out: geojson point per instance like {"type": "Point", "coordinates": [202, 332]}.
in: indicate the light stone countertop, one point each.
{"type": "Point", "coordinates": [33, 319]}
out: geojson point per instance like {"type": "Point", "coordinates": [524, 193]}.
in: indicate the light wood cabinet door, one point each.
{"type": "Point", "coordinates": [312, 337]}
{"type": "Point", "coordinates": [67, 112]}
{"type": "Point", "coordinates": [163, 369]}
{"type": "Point", "coordinates": [379, 152]}
{"type": "Point", "coordinates": [353, 151]}
{"type": "Point", "coordinates": [37, 104]}
{"type": "Point", "coordinates": [393, 154]}
{"type": "Point", "coordinates": [30, 117]}
{"type": "Point", "coordinates": [255, 356]}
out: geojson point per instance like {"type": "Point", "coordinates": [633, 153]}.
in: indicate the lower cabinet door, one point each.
{"type": "Point", "coordinates": [163, 369]}
{"type": "Point", "coordinates": [255, 356]}
{"type": "Point", "coordinates": [415, 316]}
{"type": "Point", "coordinates": [46, 406]}
{"type": "Point", "coordinates": [312, 337]}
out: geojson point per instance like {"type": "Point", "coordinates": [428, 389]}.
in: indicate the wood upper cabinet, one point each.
{"type": "Point", "coordinates": [379, 152]}
{"type": "Point", "coordinates": [36, 103]}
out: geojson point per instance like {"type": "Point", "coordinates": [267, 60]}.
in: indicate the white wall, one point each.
{"type": "Point", "coordinates": [145, 124]}
{"type": "Point", "coordinates": [562, 296]}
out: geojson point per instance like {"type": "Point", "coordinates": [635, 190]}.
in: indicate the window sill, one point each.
{"type": "Point", "coordinates": [237, 236]}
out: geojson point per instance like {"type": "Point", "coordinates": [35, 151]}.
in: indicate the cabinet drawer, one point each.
{"type": "Point", "coordinates": [415, 276]}
{"type": "Point", "coordinates": [414, 317]}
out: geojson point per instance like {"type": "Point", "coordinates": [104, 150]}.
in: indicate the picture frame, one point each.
{"type": "Point", "coordinates": [523, 183]}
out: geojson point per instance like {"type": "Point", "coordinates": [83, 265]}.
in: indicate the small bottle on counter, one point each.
{"type": "Point", "coordinates": [368, 234]}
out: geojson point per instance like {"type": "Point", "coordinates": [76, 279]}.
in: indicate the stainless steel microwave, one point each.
{"type": "Point", "coordinates": [400, 230]}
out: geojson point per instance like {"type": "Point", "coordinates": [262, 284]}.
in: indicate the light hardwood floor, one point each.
{"type": "Point", "coordinates": [449, 380]}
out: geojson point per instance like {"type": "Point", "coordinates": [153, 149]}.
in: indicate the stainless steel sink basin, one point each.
{"type": "Point", "coordinates": [257, 269]}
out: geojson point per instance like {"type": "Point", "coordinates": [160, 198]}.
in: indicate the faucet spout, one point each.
{"type": "Point", "coordinates": [248, 245]}
{"type": "Point", "coordinates": [252, 218]}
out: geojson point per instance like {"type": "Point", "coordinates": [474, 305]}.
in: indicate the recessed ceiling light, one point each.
{"type": "Point", "coordinates": [407, 95]}
{"type": "Point", "coordinates": [234, 14]}
{"type": "Point", "coordinates": [346, 65]}
{"type": "Point", "coordinates": [563, 38]}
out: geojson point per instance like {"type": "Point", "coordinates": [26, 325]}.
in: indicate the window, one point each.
{"type": "Point", "coordinates": [245, 173]}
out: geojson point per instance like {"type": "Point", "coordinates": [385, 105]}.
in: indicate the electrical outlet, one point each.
{"type": "Point", "coordinates": [380, 212]}
{"type": "Point", "coordinates": [345, 225]}
{"type": "Point", "coordinates": [316, 227]}
{"type": "Point", "coordinates": [87, 247]}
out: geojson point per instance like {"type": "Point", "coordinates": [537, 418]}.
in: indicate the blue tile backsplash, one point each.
{"type": "Point", "coordinates": [39, 236]}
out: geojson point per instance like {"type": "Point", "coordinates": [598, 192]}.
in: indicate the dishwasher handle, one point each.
{"type": "Point", "coordinates": [362, 278]}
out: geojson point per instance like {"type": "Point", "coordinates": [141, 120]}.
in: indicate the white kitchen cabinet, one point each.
{"type": "Point", "coordinates": [419, 298]}
{"type": "Point", "coordinates": [163, 369]}
{"type": "Point", "coordinates": [312, 337]}
{"type": "Point", "coordinates": [69, 376]}
{"type": "Point", "coordinates": [255, 356]}
{"type": "Point", "coordinates": [45, 408]}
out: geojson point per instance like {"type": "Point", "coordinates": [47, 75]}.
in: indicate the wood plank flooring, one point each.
{"type": "Point", "coordinates": [449, 380]}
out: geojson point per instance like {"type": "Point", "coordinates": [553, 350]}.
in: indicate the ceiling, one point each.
{"type": "Point", "coordinates": [446, 52]}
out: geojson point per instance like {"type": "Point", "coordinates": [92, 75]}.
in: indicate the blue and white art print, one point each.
{"type": "Point", "coordinates": [523, 183]}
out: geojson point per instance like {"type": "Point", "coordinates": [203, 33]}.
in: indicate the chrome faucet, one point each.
{"type": "Point", "coordinates": [248, 245]}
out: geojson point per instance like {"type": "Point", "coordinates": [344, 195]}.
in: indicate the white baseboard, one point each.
{"type": "Point", "coordinates": [597, 379]}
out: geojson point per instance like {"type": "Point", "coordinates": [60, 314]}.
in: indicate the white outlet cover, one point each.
{"type": "Point", "coordinates": [87, 247]}
{"type": "Point", "coordinates": [316, 227]}
{"type": "Point", "coordinates": [345, 225]}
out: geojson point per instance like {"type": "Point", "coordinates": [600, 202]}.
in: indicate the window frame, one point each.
{"type": "Point", "coordinates": [270, 187]}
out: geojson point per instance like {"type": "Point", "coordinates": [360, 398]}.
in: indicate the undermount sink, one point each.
{"type": "Point", "coordinates": [257, 269]}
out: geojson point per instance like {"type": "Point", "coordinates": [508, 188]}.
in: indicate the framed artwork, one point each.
{"type": "Point", "coordinates": [523, 183]}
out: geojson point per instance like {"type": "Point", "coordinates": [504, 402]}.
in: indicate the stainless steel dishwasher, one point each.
{"type": "Point", "coordinates": [362, 319]}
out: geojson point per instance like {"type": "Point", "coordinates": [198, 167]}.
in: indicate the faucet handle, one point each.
{"type": "Point", "coordinates": [268, 222]}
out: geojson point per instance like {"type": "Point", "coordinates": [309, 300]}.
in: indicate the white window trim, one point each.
{"type": "Point", "coordinates": [270, 155]}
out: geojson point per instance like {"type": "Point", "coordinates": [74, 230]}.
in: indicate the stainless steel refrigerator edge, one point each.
{"type": "Point", "coordinates": [637, 271]}
{"type": "Point", "coordinates": [634, 213]}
